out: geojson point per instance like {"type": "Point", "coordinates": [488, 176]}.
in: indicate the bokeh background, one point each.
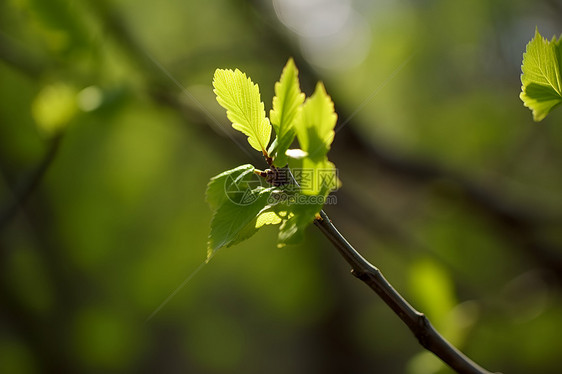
{"type": "Point", "coordinates": [109, 132]}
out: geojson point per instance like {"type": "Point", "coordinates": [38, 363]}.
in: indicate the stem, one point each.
{"type": "Point", "coordinates": [417, 322]}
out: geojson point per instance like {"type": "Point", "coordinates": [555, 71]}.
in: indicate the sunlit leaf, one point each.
{"type": "Point", "coordinates": [315, 131]}
{"type": "Point", "coordinates": [301, 216]}
{"type": "Point", "coordinates": [266, 217]}
{"type": "Point", "coordinates": [286, 109]}
{"type": "Point", "coordinates": [241, 99]}
{"type": "Point", "coordinates": [541, 79]}
{"type": "Point", "coordinates": [243, 201]}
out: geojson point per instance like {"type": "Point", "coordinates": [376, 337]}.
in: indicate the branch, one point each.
{"type": "Point", "coordinates": [24, 190]}
{"type": "Point", "coordinates": [417, 322]}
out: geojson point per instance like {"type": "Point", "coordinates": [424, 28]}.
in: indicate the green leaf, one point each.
{"type": "Point", "coordinates": [286, 109]}
{"type": "Point", "coordinates": [315, 131]}
{"type": "Point", "coordinates": [226, 184]}
{"type": "Point", "coordinates": [234, 222]}
{"type": "Point", "coordinates": [294, 210]}
{"type": "Point", "coordinates": [541, 79]}
{"type": "Point", "coordinates": [241, 99]}
{"type": "Point", "coordinates": [267, 216]}
{"type": "Point", "coordinates": [300, 216]}
{"type": "Point", "coordinates": [241, 203]}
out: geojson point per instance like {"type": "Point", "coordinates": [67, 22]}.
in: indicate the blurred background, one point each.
{"type": "Point", "coordinates": [449, 187]}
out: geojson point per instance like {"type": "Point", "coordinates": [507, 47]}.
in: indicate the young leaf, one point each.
{"type": "Point", "coordinates": [241, 203]}
{"type": "Point", "coordinates": [299, 218]}
{"type": "Point", "coordinates": [241, 99]}
{"type": "Point", "coordinates": [315, 131]}
{"type": "Point", "coordinates": [541, 79]}
{"type": "Point", "coordinates": [230, 221]}
{"type": "Point", "coordinates": [286, 109]}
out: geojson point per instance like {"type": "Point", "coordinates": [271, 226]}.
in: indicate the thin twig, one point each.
{"type": "Point", "coordinates": [417, 322]}
{"type": "Point", "coordinates": [24, 190]}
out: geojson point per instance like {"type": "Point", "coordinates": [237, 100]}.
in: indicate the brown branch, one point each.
{"type": "Point", "coordinates": [417, 322]}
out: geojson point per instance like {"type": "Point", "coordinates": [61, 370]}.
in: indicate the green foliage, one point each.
{"type": "Point", "coordinates": [241, 99]}
{"type": "Point", "coordinates": [244, 199]}
{"type": "Point", "coordinates": [316, 128]}
{"type": "Point", "coordinates": [286, 110]}
{"type": "Point", "coordinates": [234, 222]}
{"type": "Point", "coordinates": [315, 132]}
{"type": "Point", "coordinates": [542, 79]}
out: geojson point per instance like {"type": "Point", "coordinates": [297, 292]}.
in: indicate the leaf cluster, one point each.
{"type": "Point", "coordinates": [294, 188]}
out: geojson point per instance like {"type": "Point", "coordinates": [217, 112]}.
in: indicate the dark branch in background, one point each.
{"type": "Point", "coordinates": [14, 54]}
{"type": "Point", "coordinates": [517, 224]}
{"type": "Point", "coordinates": [28, 185]}
{"type": "Point", "coordinates": [417, 322]}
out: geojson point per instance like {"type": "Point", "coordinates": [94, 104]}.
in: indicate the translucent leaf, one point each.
{"type": "Point", "coordinates": [300, 217]}
{"type": "Point", "coordinates": [267, 216]}
{"type": "Point", "coordinates": [242, 204]}
{"type": "Point", "coordinates": [286, 109]}
{"type": "Point", "coordinates": [541, 79]}
{"type": "Point", "coordinates": [315, 131]}
{"type": "Point", "coordinates": [241, 99]}
{"type": "Point", "coordinates": [294, 210]}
